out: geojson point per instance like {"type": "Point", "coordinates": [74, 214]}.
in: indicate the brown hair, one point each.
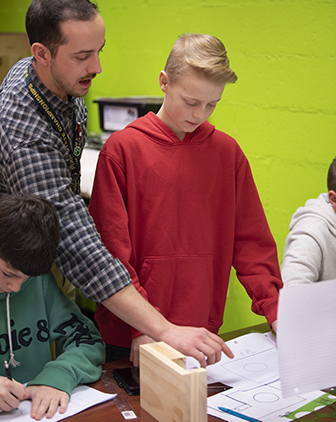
{"type": "Point", "coordinates": [206, 55]}
{"type": "Point", "coordinates": [29, 232]}
{"type": "Point", "coordinates": [45, 17]}
{"type": "Point", "coordinates": [331, 180]}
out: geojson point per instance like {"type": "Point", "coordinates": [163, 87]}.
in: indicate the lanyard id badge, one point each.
{"type": "Point", "coordinates": [76, 151]}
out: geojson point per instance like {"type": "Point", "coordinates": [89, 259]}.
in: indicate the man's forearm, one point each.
{"type": "Point", "coordinates": [132, 308]}
{"type": "Point", "coordinates": [197, 342]}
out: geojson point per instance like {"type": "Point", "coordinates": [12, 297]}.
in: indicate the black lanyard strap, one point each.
{"type": "Point", "coordinates": [48, 111]}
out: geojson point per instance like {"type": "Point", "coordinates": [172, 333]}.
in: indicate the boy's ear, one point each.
{"type": "Point", "coordinates": [41, 53]}
{"type": "Point", "coordinates": [163, 79]}
{"type": "Point", "coordinates": [332, 199]}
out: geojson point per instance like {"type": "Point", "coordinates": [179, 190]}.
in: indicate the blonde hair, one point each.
{"type": "Point", "coordinates": [205, 54]}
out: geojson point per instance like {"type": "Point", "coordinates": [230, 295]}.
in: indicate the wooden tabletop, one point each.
{"type": "Point", "coordinates": [108, 411]}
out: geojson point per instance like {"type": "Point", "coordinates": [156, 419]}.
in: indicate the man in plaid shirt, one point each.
{"type": "Point", "coordinates": [43, 128]}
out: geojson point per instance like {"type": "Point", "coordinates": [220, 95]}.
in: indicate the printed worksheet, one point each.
{"type": "Point", "coordinates": [264, 403]}
{"type": "Point", "coordinates": [82, 398]}
{"type": "Point", "coordinates": [255, 362]}
{"type": "Point", "coordinates": [253, 374]}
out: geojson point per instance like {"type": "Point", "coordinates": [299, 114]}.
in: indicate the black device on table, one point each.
{"type": "Point", "coordinates": [128, 379]}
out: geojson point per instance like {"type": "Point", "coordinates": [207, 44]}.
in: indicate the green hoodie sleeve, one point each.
{"type": "Point", "coordinates": [82, 348]}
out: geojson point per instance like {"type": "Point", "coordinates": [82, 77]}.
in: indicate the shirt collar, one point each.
{"type": "Point", "coordinates": [61, 107]}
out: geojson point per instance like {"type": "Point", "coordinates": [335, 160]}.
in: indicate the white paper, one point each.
{"type": "Point", "coordinates": [254, 375]}
{"type": "Point", "coordinates": [82, 397]}
{"type": "Point", "coordinates": [264, 403]}
{"type": "Point", "coordinates": [306, 337]}
{"type": "Point", "coordinates": [255, 362]}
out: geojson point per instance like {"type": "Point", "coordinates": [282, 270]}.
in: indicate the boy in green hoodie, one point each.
{"type": "Point", "coordinates": [35, 312]}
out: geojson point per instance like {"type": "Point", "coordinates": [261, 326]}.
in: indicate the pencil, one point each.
{"type": "Point", "coordinates": [8, 371]}
{"type": "Point", "coordinates": [238, 415]}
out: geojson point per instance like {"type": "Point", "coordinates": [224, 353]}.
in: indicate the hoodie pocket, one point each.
{"type": "Point", "coordinates": [181, 286]}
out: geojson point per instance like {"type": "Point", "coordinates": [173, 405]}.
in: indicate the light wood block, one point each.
{"type": "Point", "coordinates": [168, 391]}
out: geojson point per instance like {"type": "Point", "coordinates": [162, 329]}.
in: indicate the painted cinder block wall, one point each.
{"type": "Point", "coordinates": [281, 110]}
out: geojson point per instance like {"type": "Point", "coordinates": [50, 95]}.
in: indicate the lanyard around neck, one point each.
{"type": "Point", "coordinates": [48, 111]}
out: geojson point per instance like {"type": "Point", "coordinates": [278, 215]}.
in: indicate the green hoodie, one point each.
{"type": "Point", "coordinates": [39, 314]}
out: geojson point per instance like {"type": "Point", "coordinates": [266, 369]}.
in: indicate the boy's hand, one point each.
{"type": "Point", "coordinates": [11, 393]}
{"type": "Point", "coordinates": [134, 357]}
{"type": "Point", "coordinates": [45, 401]}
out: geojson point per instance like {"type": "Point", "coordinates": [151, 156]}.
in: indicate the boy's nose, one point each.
{"type": "Point", "coordinates": [14, 286]}
{"type": "Point", "coordinates": [199, 113]}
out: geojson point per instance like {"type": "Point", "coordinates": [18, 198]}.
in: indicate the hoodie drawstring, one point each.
{"type": "Point", "coordinates": [13, 363]}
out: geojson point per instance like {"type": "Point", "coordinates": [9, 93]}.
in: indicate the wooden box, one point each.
{"type": "Point", "coordinates": [168, 391]}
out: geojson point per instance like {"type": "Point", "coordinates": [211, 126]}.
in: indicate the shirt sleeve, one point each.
{"type": "Point", "coordinates": [82, 349]}
{"type": "Point", "coordinates": [39, 167]}
{"type": "Point", "coordinates": [302, 259]}
{"type": "Point", "coordinates": [111, 216]}
{"type": "Point", "coordinates": [255, 254]}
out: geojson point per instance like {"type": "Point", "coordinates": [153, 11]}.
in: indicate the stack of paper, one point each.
{"type": "Point", "coordinates": [270, 381]}
{"type": "Point", "coordinates": [254, 377]}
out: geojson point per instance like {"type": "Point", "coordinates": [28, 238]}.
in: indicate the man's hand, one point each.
{"type": "Point", "coordinates": [134, 357]}
{"type": "Point", "coordinates": [45, 401]}
{"type": "Point", "coordinates": [191, 341]}
{"type": "Point", "coordinates": [11, 393]}
{"type": "Point", "coordinates": [198, 343]}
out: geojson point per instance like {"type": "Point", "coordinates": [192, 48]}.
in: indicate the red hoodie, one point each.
{"type": "Point", "coordinates": [178, 215]}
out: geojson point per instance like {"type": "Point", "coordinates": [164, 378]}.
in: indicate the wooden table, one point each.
{"type": "Point", "coordinates": [108, 411]}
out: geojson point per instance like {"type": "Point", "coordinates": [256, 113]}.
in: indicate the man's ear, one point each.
{"type": "Point", "coordinates": [41, 53]}
{"type": "Point", "coordinates": [332, 199]}
{"type": "Point", "coordinates": [163, 80]}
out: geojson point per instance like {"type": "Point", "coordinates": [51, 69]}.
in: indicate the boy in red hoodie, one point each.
{"type": "Point", "coordinates": [175, 201]}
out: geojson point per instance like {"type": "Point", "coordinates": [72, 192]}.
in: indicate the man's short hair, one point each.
{"type": "Point", "coordinates": [204, 53]}
{"type": "Point", "coordinates": [44, 19]}
{"type": "Point", "coordinates": [331, 180]}
{"type": "Point", "coordinates": [29, 232]}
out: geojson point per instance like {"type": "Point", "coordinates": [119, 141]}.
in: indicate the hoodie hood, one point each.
{"type": "Point", "coordinates": [158, 131]}
{"type": "Point", "coordinates": [317, 208]}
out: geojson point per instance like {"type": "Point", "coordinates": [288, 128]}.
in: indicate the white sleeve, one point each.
{"type": "Point", "coordinates": [302, 259]}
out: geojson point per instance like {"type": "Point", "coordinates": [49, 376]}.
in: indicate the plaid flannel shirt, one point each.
{"type": "Point", "coordinates": [34, 158]}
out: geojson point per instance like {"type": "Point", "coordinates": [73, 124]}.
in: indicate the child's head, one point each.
{"type": "Point", "coordinates": [205, 54]}
{"type": "Point", "coordinates": [331, 182]}
{"type": "Point", "coordinates": [193, 81]}
{"type": "Point", "coordinates": [29, 233]}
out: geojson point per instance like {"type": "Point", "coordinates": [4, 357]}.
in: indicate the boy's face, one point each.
{"type": "Point", "coordinates": [77, 61]}
{"type": "Point", "coordinates": [188, 102]}
{"type": "Point", "coordinates": [10, 280]}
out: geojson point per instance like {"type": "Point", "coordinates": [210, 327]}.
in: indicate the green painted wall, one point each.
{"type": "Point", "coordinates": [281, 110]}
